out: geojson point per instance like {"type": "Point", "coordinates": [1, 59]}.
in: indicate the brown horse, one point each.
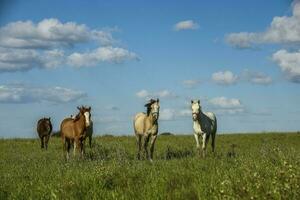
{"type": "Point", "coordinates": [44, 129]}
{"type": "Point", "coordinates": [74, 130]}
{"type": "Point", "coordinates": [146, 126]}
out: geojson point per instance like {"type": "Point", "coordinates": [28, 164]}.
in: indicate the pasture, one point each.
{"type": "Point", "coordinates": [245, 166]}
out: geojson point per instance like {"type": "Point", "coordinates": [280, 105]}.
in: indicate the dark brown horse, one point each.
{"type": "Point", "coordinates": [73, 130]}
{"type": "Point", "coordinates": [44, 129]}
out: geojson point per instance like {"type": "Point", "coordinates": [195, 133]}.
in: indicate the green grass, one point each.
{"type": "Point", "coordinates": [261, 166]}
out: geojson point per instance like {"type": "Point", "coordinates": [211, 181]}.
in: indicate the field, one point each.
{"type": "Point", "coordinates": [245, 166]}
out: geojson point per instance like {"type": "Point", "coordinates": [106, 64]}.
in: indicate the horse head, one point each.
{"type": "Point", "coordinates": [86, 113]}
{"type": "Point", "coordinates": [153, 108]}
{"type": "Point", "coordinates": [196, 109]}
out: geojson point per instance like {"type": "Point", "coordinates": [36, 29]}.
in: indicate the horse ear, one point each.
{"type": "Point", "coordinates": [157, 100]}
{"type": "Point", "coordinates": [49, 118]}
{"type": "Point", "coordinates": [192, 101]}
{"type": "Point", "coordinates": [198, 101]}
{"type": "Point", "coordinates": [89, 108]}
{"type": "Point", "coordinates": [78, 108]}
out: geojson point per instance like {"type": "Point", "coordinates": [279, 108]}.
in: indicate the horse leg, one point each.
{"type": "Point", "coordinates": [146, 140]}
{"type": "Point", "coordinates": [205, 138]}
{"type": "Point", "coordinates": [90, 141]}
{"type": "Point", "coordinates": [196, 135]}
{"type": "Point", "coordinates": [46, 141]}
{"type": "Point", "coordinates": [68, 143]}
{"type": "Point", "coordinates": [42, 142]}
{"type": "Point", "coordinates": [153, 139]}
{"type": "Point", "coordinates": [139, 146]}
{"type": "Point", "coordinates": [82, 148]}
{"type": "Point", "coordinates": [75, 146]}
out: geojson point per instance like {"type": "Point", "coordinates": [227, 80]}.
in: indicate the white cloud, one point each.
{"type": "Point", "coordinates": [224, 78]}
{"type": "Point", "coordinates": [19, 93]}
{"type": "Point", "coordinates": [224, 105]}
{"type": "Point", "coordinates": [25, 59]}
{"type": "Point", "coordinates": [186, 25]}
{"type": "Point", "coordinates": [257, 77]}
{"type": "Point", "coordinates": [25, 45]}
{"type": "Point", "coordinates": [282, 30]}
{"type": "Point", "coordinates": [289, 63]}
{"type": "Point", "coordinates": [191, 83]}
{"type": "Point", "coordinates": [169, 114]}
{"type": "Point", "coordinates": [49, 33]}
{"type": "Point", "coordinates": [159, 94]}
{"type": "Point", "coordinates": [102, 54]}
{"type": "Point", "coordinates": [142, 94]}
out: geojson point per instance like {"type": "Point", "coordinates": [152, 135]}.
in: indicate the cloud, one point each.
{"type": "Point", "coordinates": [25, 45]}
{"type": "Point", "coordinates": [224, 105]}
{"type": "Point", "coordinates": [160, 94]}
{"type": "Point", "coordinates": [282, 30]}
{"type": "Point", "coordinates": [102, 54]}
{"type": "Point", "coordinates": [12, 60]}
{"type": "Point", "coordinates": [169, 114]}
{"type": "Point", "coordinates": [256, 77]}
{"type": "Point", "coordinates": [186, 25]}
{"type": "Point", "coordinates": [19, 93]}
{"type": "Point", "coordinates": [289, 63]}
{"type": "Point", "coordinates": [224, 78]}
{"type": "Point", "coordinates": [191, 83]}
{"type": "Point", "coordinates": [50, 33]}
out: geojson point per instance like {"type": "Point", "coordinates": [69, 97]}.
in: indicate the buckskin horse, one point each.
{"type": "Point", "coordinates": [146, 126]}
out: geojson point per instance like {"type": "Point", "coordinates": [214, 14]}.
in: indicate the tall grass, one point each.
{"type": "Point", "coordinates": [261, 166]}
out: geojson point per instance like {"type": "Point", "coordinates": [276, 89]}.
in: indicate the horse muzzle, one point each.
{"type": "Point", "coordinates": [155, 115]}
{"type": "Point", "coordinates": [195, 116]}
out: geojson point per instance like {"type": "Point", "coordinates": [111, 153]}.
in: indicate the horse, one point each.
{"type": "Point", "coordinates": [44, 129]}
{"type": "Point", "coordinates": [146, 126]}
{"type": "Point", "coordinates": [89, 131]}
{"type": "Point", "coordinates": [205, 124]}
{"type": "Point", "coordinates": [74, 130]}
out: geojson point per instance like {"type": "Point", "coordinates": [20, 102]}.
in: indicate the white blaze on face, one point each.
{"type": "Point", "coordinates": [195, 110]}
{"type": "Point", "coordinates": [87, 118]}
{"type": "Point", "coordinates": [155, 109]}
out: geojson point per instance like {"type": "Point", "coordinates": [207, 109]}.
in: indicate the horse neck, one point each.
{"type": "Point", "coordinates": [151, 119]}
{"type": "Point", "coordinates": [199, 118]}
{"type": "Point", "coordinates": [80, 123]}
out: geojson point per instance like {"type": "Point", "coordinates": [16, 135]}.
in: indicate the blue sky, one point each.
{"type": "Point", "coordinates": [241, 58]}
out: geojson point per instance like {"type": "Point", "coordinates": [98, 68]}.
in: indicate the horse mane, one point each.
{"type": "Point", "coordinates": [76, 117]}
{"type": "Point", "coordinates": [42, 119]}
{"type": "Point", "coordinates": [148, 105]}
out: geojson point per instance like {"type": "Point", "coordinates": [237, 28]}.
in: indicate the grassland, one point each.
{"type": "Point", "coordinates": [245, 166]}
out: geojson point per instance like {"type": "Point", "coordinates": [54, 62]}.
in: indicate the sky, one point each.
{"type": "Point", "coordinates": [240, 58]}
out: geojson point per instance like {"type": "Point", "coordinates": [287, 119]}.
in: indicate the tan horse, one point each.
{"type": "Point", "coordinates": [44, 129]}
{"type": "Point", "coordinates": [146, 126]}
{"type": "Point", "coordinates": [74, 130]}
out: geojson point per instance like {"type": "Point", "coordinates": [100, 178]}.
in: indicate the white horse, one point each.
{"type": "Point", "coordinates": [205, 124]}
{"type": "Point", "coordinates": [146, 126]}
